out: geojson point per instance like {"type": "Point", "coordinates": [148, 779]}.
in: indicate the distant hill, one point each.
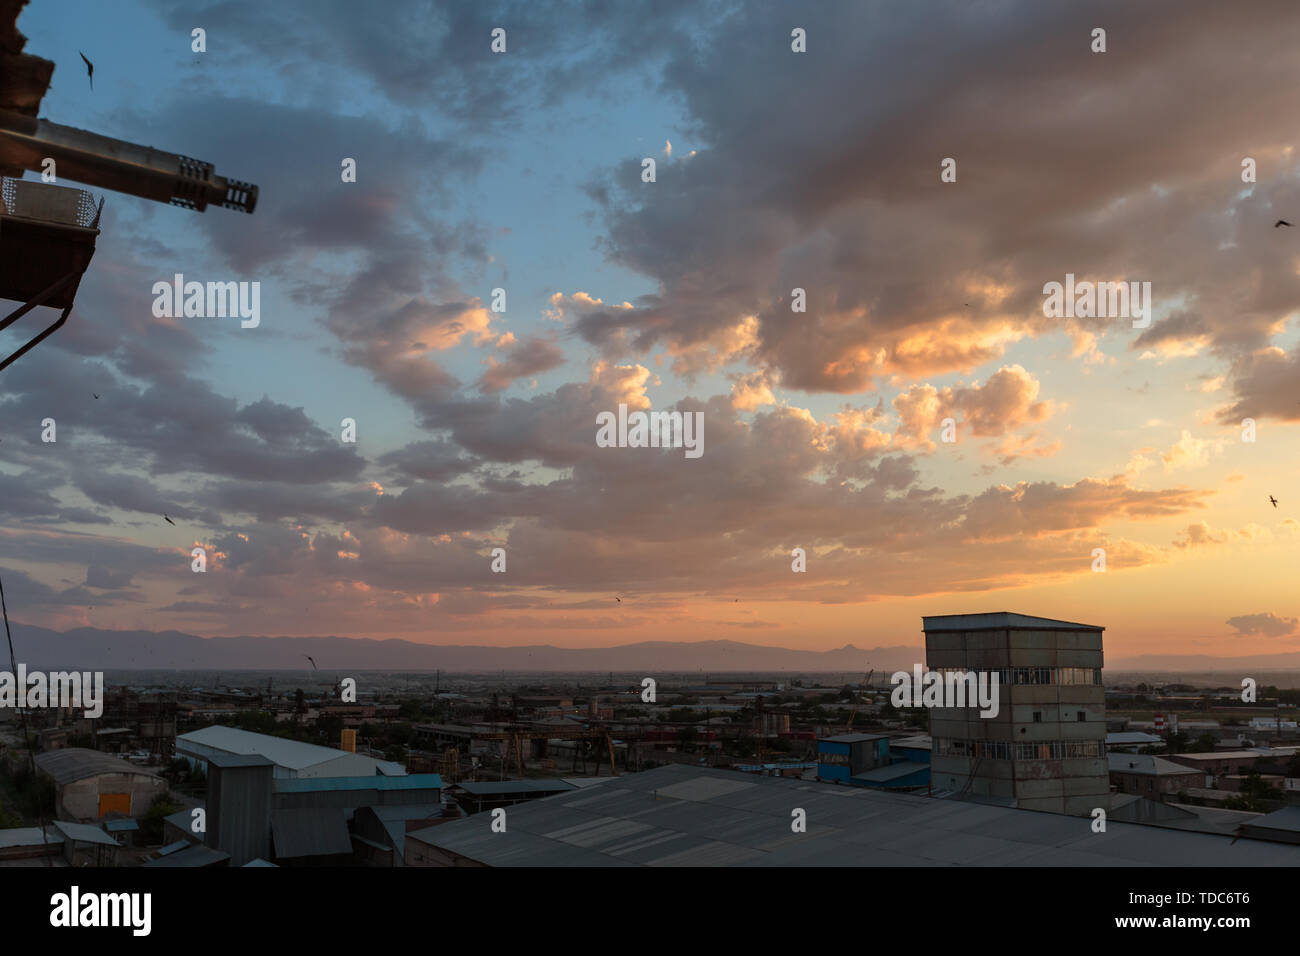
{"type": "Point", "coordinates": [88, 648]}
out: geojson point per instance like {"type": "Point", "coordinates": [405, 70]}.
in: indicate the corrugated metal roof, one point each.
{"type": "Point", "coordinates": [716, 817]}
{"type": "Point", "coordinates": [484, 788]}
{"type": "Point", "coordinates": [228, 761]}
{"type": "Point", "coordinates": [1147, 764]}
{"type": "Point", "coordinates": [120, 826]}
{"type": "Point", "coordinates": [1130, 737]}
{"type": "Point", "coordinates": [895, 771]}
{"type": "Point", "coordinates": [412, 781]}
{"type": "Point", "coordinates": [852, 738]}
{"type": "Point", "coordinates": [292, 754]}
{"type": "Point", "coordinates": [1288, 818]}
{"type": "Point", "coordinates": [190, 857]}
{"type": "Point", "coordinates": [76, 763]}
{"type": "Point", "coordinates": [309, 831]}
{"type": "Point", "coordinates": [28, 836]}
{"type": "Point", "coordinates": [997, 619]}
{"type": "Point", "coordinates": [174, 847]}
{"type": "Point", "coordinates": [84, 833]}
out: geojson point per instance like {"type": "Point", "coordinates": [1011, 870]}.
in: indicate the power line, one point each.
{"type": "Point", "coordinates": [22, 716]}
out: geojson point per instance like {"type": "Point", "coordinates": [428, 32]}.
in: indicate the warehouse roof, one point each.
{"type": "Point", "coordinates": [905, 768]}
{"type": "Point", "coordinates": [491, 787]}
{"type": "Point", "coordinates": [1129, 737]}
{"type": "Point", "coordinates": [412, 781]}
{"type": "Point", "coordinates": [688, 816]}
{"type": "Point", "coordinates": [1146, 764]}
{"type": "Point", "coordinates": [997, 621]}
{"type": "Point", "coordinates": [293, 754]}
{"type": "Point", "coordinates": [852, 738]}
{"type": "Point", "coordinates": [76, 763]}
{"type": "Point", "coordinates": [1221, 755]}
{"type": "Point", "coordinates": [1287, 819]}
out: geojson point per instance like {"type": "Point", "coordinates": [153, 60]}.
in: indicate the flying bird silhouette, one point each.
{"type": "Point", "coordinates": [96, 396]}
{"type": "Point", "coordinates": [313, 663]}
{"type": "Point", "coordinates": [90, 70]}
{"type": "Point", "coordinates": [169, 521]}
{"type": "Point", "coordinates": [1281, 222]}
{"type": "Point", "coordinates": [1272, 499]}
{"type": "Point", "coordinates": [619, 600]}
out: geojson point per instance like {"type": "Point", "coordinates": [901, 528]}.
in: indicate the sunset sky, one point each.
{"type": "Point", "coordinates": [775, 170]}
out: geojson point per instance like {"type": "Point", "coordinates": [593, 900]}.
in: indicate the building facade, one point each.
{"type": "Point", "coordinates": [1046, 747]}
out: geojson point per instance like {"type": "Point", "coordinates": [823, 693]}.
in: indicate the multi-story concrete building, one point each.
{"type": "Point", "coordinates": [1045, 749]}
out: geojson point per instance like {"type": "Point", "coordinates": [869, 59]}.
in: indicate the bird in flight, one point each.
{"type": "Point", "coordinates": [1272, 499]}
{"type": "Point", "coordinates": [90, 70]}
{"type": "Point", "coordinates": [1281, 222]}
{"type": "Point", "coordinates": [169, 521]}
{"type": "Point", "coordinates": [96, 396]}
{"type": "Point", "coordinates": [313, 663]}
{"type": "Point", "coordinates": [619, 600]}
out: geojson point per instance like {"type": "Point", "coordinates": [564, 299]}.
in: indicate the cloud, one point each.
{"type": "Point", "coordinates": [1263, 625]}
{"type": "Point", "coordinates": [530, 357]}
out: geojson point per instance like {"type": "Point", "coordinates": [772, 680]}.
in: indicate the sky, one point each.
{"type": "Point", "coordinates": [775, 170]}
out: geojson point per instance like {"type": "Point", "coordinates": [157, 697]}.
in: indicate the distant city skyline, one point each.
{"type": "Point", "coordinates": [823, 430]}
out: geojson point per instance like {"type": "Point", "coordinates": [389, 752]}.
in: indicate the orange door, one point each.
{"type": "Point", "coordinates": [108, 802]}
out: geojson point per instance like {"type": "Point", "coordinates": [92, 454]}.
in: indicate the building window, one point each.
{"type": "Point", "coordinates": [1082, 716]}
{"type": "Point", "coordinates": [1038, 716]}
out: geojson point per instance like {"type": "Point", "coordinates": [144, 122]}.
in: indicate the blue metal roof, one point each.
{"type": "Point", "coordinates": [120, 826]}
{"type": "Point", "coordinates": [412, 781]}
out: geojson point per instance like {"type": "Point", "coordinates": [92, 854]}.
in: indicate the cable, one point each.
{"type": "Point", "coordinates": [22, 716]}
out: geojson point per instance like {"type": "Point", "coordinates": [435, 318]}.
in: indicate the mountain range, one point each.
{"type": "Point", "coordinates": [88, 648]}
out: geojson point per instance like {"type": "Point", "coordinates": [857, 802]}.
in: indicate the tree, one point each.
{"type": "Point", "coordinates": [9, 820]}
{"type": "Point", "coordinates": [1204, 745]}
{"type": "Point", "coordinates": [151, 824]}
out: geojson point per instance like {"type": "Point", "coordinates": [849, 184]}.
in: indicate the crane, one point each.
{"type": "Point", "coordinates": [858, 703]}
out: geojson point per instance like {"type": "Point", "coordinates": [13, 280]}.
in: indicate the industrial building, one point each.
{"type": "Point", "coordinates": [842, 756]}
{"type": "Point", "coordinates": [689, 816]}
{"type": "Point", "coordinates": [1151, 776]}
{"type": "Point", "coordinates": [1046, 747]}
{"type": "Point", "coordinates": [1211, 765]}
{"type": "Point", "coordinates": [89, 784]}
{"type": "Point", "coordinates": [867, 760]}
{"type": "Point", "coordinates": [291, 758]}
